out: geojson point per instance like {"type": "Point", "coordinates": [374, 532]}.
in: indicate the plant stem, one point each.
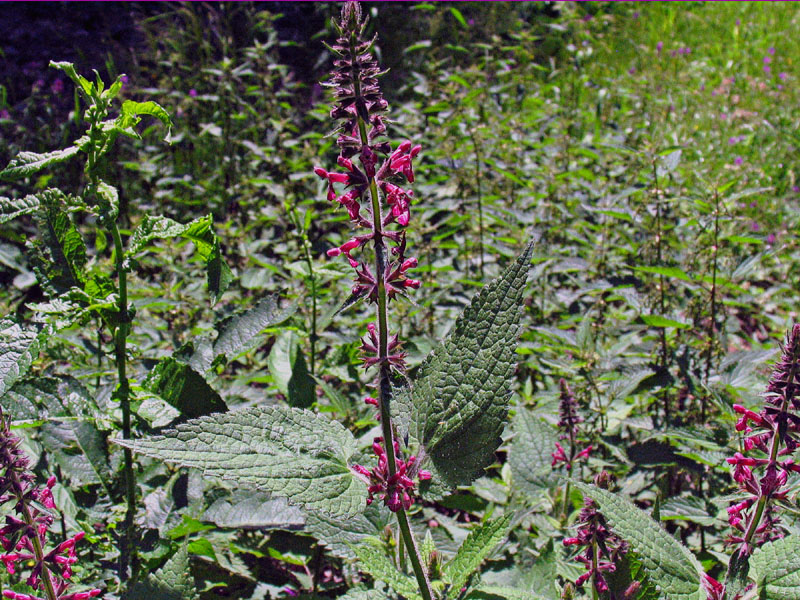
{"type": "Point", "coordinates": [662, 293]}
{"type": "Point", "coordinates": [128, 547]}
{"type": "Point", "coordinates": [384, 379]}
{"type": "Point", "coordinates": [480, 198]}
{"type": "Point", "coordinates": [713, 320]}
{"type": "Point", "coordinates": [38, 552]}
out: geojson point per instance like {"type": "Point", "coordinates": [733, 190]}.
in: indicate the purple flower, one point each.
{"type": "Point", "coordinates": [635, 14]}
{"type": "Point", "coordinates": [193, 92]}
{"type": "Point", "coordinates": [771, 238]}
{"type": "Point", "coordinates": [754, 226]}
{"type": "Point", "coordinates": [738, 161]}
{"type": "Point", "coordinates": [771, 50]}
{"type": "Point", "coordinates": [783, 75]}
{"type": "Point", "coordinates": [767, 60]}
{"type": "Point", "coordinates": [124, 79]}
{"type": "Point", "coordinates": [795, 188]}
{"type": "Point", "coordinates": [733, 140]}
{"type": "Point", "coordinates": [4, 114]}
{"type": "Point", "coordinates": [471, 22]}
{"type": "Point", "coordinates": [767, 69]}
{"type": "Point", "coordinates": [738, 22]}
{"type": "Point", "coordinates": [632, 70]}
{"type": "Point", "coordinates": [659, 46]}
{"type": "Point", "coordinates": [57, 86]}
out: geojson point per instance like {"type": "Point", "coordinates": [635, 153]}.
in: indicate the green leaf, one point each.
{"type": "Point", "coordinates": [184, 388]}
{"type": "Point", "coordinates": [287, 451]}
{"type": "Point", "coordinates": [530, 455]}
{"type": "Point", "coordinates": [59, 254]}
{"type": "Point", "coordinates": [19, 347]}
{"type": "Point", "coordinates": [361, 593]}
{"type": "Point", "coordinates": [29, 163]}
{"type": "Point", "coordinates": [253, 509]}
{"type": "Point", "coordinates": [11, 209]}
{"type": "Point", "coordinates": [290, 372]}
{"type": "Point", "coordinates": [131, 111]}
{"type": "Point", "coordinates": [80, 449]}
{"type": "Point", "coordinates": [69, 70]}
{"type": "Point", "coordinates": [662, 322]}
{"type": "Point", "coordinates": [459, 17]}
{"type": "Point", "coordinates": [239, 332]}
{"type": "Point", "coordinates": [109, 194]}
{"type": "Point", "coordinates": [669, 272]}
{"type": "Point", "coordinates": [669, 565]}
{"type": "Point", "coordinates": [372, 559]}
{"type": "Point", "coordinates": [476, 548]}
{"type": "Point", "coordinates": [198, 232]}
{"type": "Point", "coordinates": [341, 534]}
{"type": "Point", "coordinates": [775, 567]}
{"type": "Point", "coordinates": [42, 398]}
{"type": "Point", "coordinates": [689, 508]}
{"type": "Point", "coordinates": [173, 581]}
{"type": "Point", "coordinates": [499, 592]}
{"type": "Point", "coordinates": [460, 396]}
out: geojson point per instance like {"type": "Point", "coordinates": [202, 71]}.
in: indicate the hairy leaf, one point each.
{"type": "Point", "coordinates": [530, 455]}
{"type": "Point", "coordinates": [10, 208]}
{"type": "Point", "coordinates": [198, 232]}
{"type": "Point", "coordinates": [775, 567]}
{"type": "Point", "coordinates": [287, 451]}
{"type": "Point", "coordinates": [460, 396]}
{"type": "Point", "coordinates": [184, 388]}
{"type": "Point", "coordinates": [250, 509]}
{"type": "Point", "coordinates": [132, 111]}
{"type": "Point", "coordinates": [43, 398]}
{"type": "Point", "coordinates": [479, 544]}
{"type": "Point", "coordinates": [19, 347]}
{"type": "Point", "coordinates": [29, 163]}
{"type": "Point", "coordinates": [669, 565]}
{"type": "Point", "coordinates": [373, 560]}
{"type": "Point", "coordinates": [173, 581]}
{"type": "Point", "coordinates": [340, 534]}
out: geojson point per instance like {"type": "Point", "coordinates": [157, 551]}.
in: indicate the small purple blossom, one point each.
{"type": "Point", "coordinates": [471, 22]}
{"type": "Point", "coordinates": [632, 70]}
{"type": "Point", "coordinates": [795, 188]}
{"type": "Point", "coordinates": [738, 161]}
{"type": "Point", "coordinates": [4, 114]}
{"type": "Point", "coordinates": [193, 93]}
{"type": "Point", "coordinates": [659, 47]}
{"type": "Point", "coordinates": [771, 50]}
{"type": "Point", "coordinates": [57, 86]}
{"type": "Point", "coordinates": [783, 75]}
{"type": "Point", "coordinates": [755, 227]}
{"type": "Point", "coordinates": [767, 60]}
{"type": "Point", "coordinates": [767, 69]}
{"type": "Point", "coordinates": [771, 239]}
{"type": "Point", "coordinates": [635, 14]}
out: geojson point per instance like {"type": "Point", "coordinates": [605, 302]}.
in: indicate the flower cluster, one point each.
{"type": "Point", "coordinates": [395, 490]}
{"type": "Point", "coordinates": [24, 535]}
{"type": "Point", "coordinates": [771, 435]}
{"type": "Point", "coordinates": [603, 548]}
{"type": "Point", "coordinates": [568, 423]}
{"type": "Point", "coordinates": [365, 177]}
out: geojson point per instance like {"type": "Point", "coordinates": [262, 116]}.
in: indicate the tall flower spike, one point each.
{"type": "Point", "coordinates": [568, 423]}
{"type": "Point", "coordinates": [771, 438]}
{"type": "Point", "coordinates": [24, 536]}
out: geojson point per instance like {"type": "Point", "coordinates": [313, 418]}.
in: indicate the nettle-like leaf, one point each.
{"type": "Point", "coordinates": [670, 566]}
{"type": "Point", "coordinates": [19, 347]}
{"type": "Point", "coordinates": [132, 112]}
{"type": "Point", "coordinates": [30, 163]}
{"type": "Point", "coordinates": [460, 397]}
{"type": "Point", "coordinates": [290, 452]}
{"type": "Point", "coordinates": [775, 567]}
{"type": "Point", "coordinates": [476, 548]}
{"type": "Point", "coordinates": [200, 233]}
{"type": "Point", "coordinates": [59, 254]}
{"type": "Point", "coordinates": [372, 559]}
{"type": "Point", "coordinates": [11, 208]}
{"type": "Point", "coordinates": [38, 399]}
{"type": "Point", "coordinates": [183, 388]}
{"type": "Point", "coordinates": [173, 581]}
{"type": "Point", "coordinates": [530, 455]}
{"type": "Point", "coordinates": [254, 509]}
{"type": "Point", "coordinates": [341, 534]}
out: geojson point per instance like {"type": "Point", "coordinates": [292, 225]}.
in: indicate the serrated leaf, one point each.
{"type": "Point", "coordinates": [775, 567]}
{"type": "Point", "coordinates": [290, 452]}
{"type": "Point", "coordinates": [340, 534]}
{"type": "Point", "coordinates": [237, 333]}
{"type": "Point", "coordinates": [476, 548]}
{"type": "Point", "coordinates": [69, 70]}
{"type": "Point", "coordinates": [184, 388]}
{"type": "Point", "coordinates": [530, 455]}
{"type": "Point", "coordinates": [43, 398]}
{"type": "Point", "coordinates": [80, 450]}
{"type": "Point", "coordinates": [200, 233]}
{"type": "Point", "coordinates": [59, 254]}
{"type": "Point", "coordinates": [253, 509]}
{"type": "Point", "coordinates": [173, 581]}
{"type": "Point", "coordinates": [290, 372]}
{"type": "Point", "coordinates": [373, 560]}
{"type": "Point", "coordinates": [460, 396]}
{"type": "Point", "coordinates": [670, 566]}
{"type": "Point", "coordinates": [10, 208]}
{"type": "Point", "coordinates": [19, 347]}
{"type": "Point", "coordinates": [688, 508]}
{"type": "Point", "coordinates": [131, 111]}
{"type": "Point", "coordinates": [29, 163]}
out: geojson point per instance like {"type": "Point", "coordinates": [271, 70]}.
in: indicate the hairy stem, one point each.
{"type": "Point", "coordinates": [480, 198]}
{"type": "Point", "coordinates": [662, 301]}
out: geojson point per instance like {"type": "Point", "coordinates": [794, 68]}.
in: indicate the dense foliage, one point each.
{"type": "Point", "coordinates": [609, 412]}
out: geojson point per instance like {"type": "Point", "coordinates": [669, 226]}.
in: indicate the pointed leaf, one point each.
{"type": "Point", "coordinates": [19, 347]}
{"type": "Point", "coordinates": [663, 322]}
{"type": "Point", "coordinates": [10, 208]}
{"type": "Point", "coordinates": [198, 232]}
{"type": "Point", "coordinates": [669, 272]}
{"type": "Point", "coordinates": [460, 396]}
{"type": "Point", "coordinates": [253, 509]}
{"type": "Point", "coordinates": [69, 70]}
{"type": "Point", "coordinates": [373, 560]}
{"type": "Point", "coordinates": [340, 534]}
{"type": "Point", "coordinates": [669, 565]}
{"type": "Point", "coordinates": [775, 566]}
{"type": "Point", "coordinates": [239, 332]}
{"type": "Point", "coordinates": [184, 388]}
{"type": "Point", "coordinates": [173, 581]}
{"type": "Point", "coordinates": [531, 453]}
{"type": "Point", "coordinates": [29, 163]}
{"type": "Point", "coordinates": [290, 452]}
{"type": "Point", "coordinates": [290, 372]}
{"type": "Point", "coordinates": [476, 548]}
{"type": "Point", "coordinates": [131, 111]}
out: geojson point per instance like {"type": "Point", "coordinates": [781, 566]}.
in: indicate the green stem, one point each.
{"type": "Point", "coordinates": [480, 199]}
{"type": "Point", "coordinates": [713, 320]}
{"type": "Point", "coordinates": [662, 303]}
{"type": "Point", "coordinates": [38, 552]}
{"type": "Point", "coordinates": [128, 547]}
